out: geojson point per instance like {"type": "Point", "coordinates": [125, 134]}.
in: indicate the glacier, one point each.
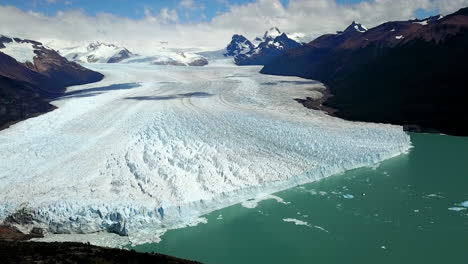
{"type": "Point", "coordinates": [151, 148]}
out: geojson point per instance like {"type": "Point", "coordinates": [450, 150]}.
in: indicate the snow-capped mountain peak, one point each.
{"type": "Point", "coordinates": [272, 44]}
{"type": "Point", "coordinates": [96, 45]}
{"type": "Point", "coordinates": [97, 52]}
{"type": "Point", "coordinates": [356, 27]}
{"type": "Point", "coordinates": [238, 45]}
{"type": "Point", "coordinates": [272, 33]}
{"type": "Point", "coordinates": [427, 21]}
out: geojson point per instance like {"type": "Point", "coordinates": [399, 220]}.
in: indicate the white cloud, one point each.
{"type": "Point", "coordinates": [165, 16]}
{"type": "Point", "coordinates": [187, 4]}
{"type": "Point", "coordinates": [143, 35]}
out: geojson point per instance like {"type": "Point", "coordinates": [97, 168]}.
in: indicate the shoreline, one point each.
{"type": "Point", "coordinates": [17, 247]}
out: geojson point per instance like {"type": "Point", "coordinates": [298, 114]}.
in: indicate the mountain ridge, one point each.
{"type": "Point", "coordinates": [272, 44]}
{"type": "Point", "coordinates": [31, 74]}
{"type": "Point", "coordinates": [391, 73]}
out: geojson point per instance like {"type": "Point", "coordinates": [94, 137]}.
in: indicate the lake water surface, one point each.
{"type": "Point", "coordinates": [406, 210]}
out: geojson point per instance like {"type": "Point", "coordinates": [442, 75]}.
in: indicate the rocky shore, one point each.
{"type": "Point", "coordinates": [15, 247]}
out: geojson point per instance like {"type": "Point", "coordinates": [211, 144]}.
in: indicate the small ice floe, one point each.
{"type": "Point", "coordinates": [460, 207]}
{"type": "Point", "coordinates": [252, 203]}
{"type": "Point", "coordinates": [416, 211]}
{"type": "Point", "coordinates": [348, 196]}
{"type": "Point", "coordinates": [399, 37]}
{"type": "Point", "coordinates": [321, 228]}
{"type": "Point", "coordinates": [193, 222]}
{"type": "Point", "coordinates": [315, 192]}
{"type": "Point", "coordinates": [220, 217]}
{"type": "Point", "coordinates": [457, 209]}
{"type": "Point", "coordinates": [296, 221]}
{"type": "Point", "coordinates": [383, 247]}
{"type": "Point", "coordinates": [433, 195]}
{"type": "Point", "coordinates": [304, 223]}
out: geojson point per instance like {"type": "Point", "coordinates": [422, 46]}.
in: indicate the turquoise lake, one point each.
{"type": "Point", "coordinates": [406, 210]}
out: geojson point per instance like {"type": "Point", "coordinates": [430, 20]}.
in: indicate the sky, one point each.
{"type": "Point", "coordinates": [206, 24]}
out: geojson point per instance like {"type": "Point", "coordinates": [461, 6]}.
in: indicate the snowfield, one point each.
{"type": "Point", "coordinates": [152, 148]}
{"type": "Point", "coordinates": [21, 52]}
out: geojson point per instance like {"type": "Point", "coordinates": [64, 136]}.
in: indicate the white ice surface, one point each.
{"type": "Point", "coordinates": [190, 140]}
{"type": "Point", "coordinates": [21, 52]}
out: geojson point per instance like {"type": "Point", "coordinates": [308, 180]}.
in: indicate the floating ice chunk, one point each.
{"type": "Point", "coordinates": [220, 217]}
{"type": "Point", "coordinates": [399, 37]}
{"type": "Point", "coordinates": [321, 228]}
{"type": "Point", "coordinates": [296, 221]}
{"type": "Point", "coordinates": [433, 195]}
{"type": "Point", "coordinates": [252, 203]}
{"type": "Point", "coordinates": [304, 223]}
{"type": "Point", "coordinates": [464, 204]}
{"type": "Point", "coordinates": [348, 196]}
{"type": "Point", "coordinates": [457, 209]}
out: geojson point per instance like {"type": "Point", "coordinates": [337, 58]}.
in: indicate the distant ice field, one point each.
{"type": "Point", "coordinates": [152, 148]}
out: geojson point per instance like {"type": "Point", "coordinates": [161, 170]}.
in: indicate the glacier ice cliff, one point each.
{"type": "Point", "coordinates": [187, 141]}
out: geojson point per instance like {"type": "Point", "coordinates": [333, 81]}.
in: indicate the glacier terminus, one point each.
{"type": "Point", "coordinates": [151, 148]}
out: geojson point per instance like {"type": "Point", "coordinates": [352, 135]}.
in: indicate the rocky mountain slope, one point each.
{"type": "Point", "coordinates": [31, 73]}
{"type": "Point", "coordinates": [410, 73]}
{"type": "Point", "coordinates": [271, 45]}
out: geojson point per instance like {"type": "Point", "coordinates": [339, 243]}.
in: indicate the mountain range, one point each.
{"type": "Point", "coordinates": [97, 52]}
{"type": "Point", "coordinates": [411, 73]}
{"type": "Point", "coordinates": [272, 44]}
{"type": "Point", "coordinates": [30, 75]}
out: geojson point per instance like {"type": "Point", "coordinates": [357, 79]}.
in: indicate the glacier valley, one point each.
{"type": "Point", "coordinates": [151, 148]}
